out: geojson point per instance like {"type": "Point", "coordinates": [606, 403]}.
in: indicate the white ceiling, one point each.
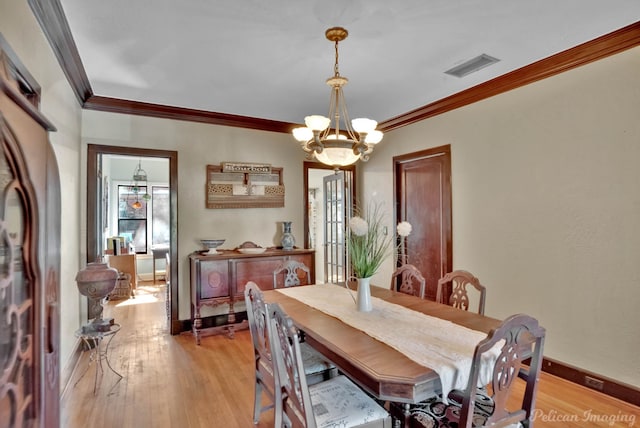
{"type": "Point", "coordinates": [269, 58]}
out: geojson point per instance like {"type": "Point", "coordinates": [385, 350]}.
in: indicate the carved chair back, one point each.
{"type": "Point", "coordinates": [257, 314]}
{"type": "Point", "coordinates": [290, 269]}
{"type": "Point", "coordinates": [408, 279]}
{"type": "Point", "coordinates": [459, 298]}
{"type": "Point", "coordinates": [523, 338]}
{"type": "Point", "coordinates": [291, 380]}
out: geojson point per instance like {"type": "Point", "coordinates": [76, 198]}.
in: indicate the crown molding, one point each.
{"type": "Point", "coordinates": [116, 105]}
{"type": "Point", "coordinates": [51, 17]}
{"type": "Point", "coordinates": [602, 47]}
{"type": "Point", "coordinates": [54, 24]}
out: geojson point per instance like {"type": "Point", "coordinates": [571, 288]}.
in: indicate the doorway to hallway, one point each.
{"type": "Point", "coordinates": [111, 211]}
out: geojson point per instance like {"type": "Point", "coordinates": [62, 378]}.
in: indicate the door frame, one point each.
{"type": "Point", "coordinates": [447, 263]}
{"type": "Point", "coordinates": [93, 150]}
{"type": "Point", "coordinates": [307, 165]}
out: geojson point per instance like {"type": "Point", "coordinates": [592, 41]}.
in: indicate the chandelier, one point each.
{"type": "Point", "coordinates": [139, 184]}
{"type": "Point", "coordinates": [326, 141]}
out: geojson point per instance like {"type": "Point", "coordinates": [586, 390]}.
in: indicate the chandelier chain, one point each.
{"type": "Point", "coordinates": [336, 72]}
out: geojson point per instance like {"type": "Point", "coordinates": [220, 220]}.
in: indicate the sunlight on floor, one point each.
{"type": "Point", "coordinates": [139, 300]}
{"type": "Point", "coordinates": [144, 294]}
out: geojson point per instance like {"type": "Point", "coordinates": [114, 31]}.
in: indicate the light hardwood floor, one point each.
{"type": "Point", "coordinates": [170, 382]}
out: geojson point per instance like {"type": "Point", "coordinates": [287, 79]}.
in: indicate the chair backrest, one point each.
{"type": "Point", "coordinates": [258, 326]}
{"type": "Point", "coordinates": [408, 279]}
{"type": "Point", "coordinates": [523, 338]}
{"type": "Point", "coordinates": [459, 298]}
{"type": "Point", "coordinates": [290, 370]}
{"type": "Point", "coordinates": [290, 268]}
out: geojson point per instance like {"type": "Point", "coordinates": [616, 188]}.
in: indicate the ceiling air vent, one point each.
{"type": "Point", "coordinates": [471, 66]}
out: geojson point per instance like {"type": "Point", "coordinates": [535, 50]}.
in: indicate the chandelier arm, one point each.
{"type": "Point", "coordinates": [315, 144]}
{"type": "Point", "coordinates": [305, 147]}
{"type": "Point", "coordinates": [360, 147]}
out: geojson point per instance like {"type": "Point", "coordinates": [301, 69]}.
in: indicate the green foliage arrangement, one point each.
{"type": "Point", "coordinates": [368, 245]}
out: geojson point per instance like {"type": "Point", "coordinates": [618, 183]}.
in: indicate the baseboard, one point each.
{"type": "Point", "coordinates": [67, 372]}
{"type": "Point", "coordinates": [608, 386]}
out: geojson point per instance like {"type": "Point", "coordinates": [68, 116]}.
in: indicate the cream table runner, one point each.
{"type": "Point", "coordinates": [438, 344]}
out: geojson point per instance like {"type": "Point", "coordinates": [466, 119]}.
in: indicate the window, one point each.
{"type": "Point", "coordinates": [140, 219]}
{"type": "Point", "coordinates": [160, 208]}
{"type": "Point", "coordinates": [132, 217]}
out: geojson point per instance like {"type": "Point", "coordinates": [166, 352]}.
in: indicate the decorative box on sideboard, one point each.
{"type": "Point", "coordinates": [220, 279]}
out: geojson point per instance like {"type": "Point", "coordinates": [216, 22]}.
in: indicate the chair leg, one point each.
{"type": "Point", "coordinates": [400, 414]}
{"type": "Point", "coordinates": [257, 403]}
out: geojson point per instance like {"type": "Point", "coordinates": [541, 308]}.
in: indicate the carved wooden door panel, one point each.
{"type": "Point", "coordinates": [423, 198]}
{"type": "Point", "coordinates": [29, 254]}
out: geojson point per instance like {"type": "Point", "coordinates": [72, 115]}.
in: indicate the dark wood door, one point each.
{"type": "Point", "coordinates": [423, 198]}
{"type": "Point", "coordinates": [29, 254]}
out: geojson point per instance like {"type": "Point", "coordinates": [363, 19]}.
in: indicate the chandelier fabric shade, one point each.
{"type": "Point", "coordinates": [335, 140]}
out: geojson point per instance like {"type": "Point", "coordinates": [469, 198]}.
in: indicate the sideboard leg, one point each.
{"type": "Point", "coordinates": [197, 326]}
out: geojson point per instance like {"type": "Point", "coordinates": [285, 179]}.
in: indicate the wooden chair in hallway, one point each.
{"type": "Point", "coordinates": [459, 298]}
{"type": "Point", "coordinates": [408, 279]}
{"type": "Point", "coordinates": [316, 368]}
{"type": "Point", "coordinates": [335, 402]}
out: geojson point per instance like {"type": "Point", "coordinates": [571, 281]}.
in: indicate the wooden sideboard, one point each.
{"type": "Point", "coordinates": [220, 279]}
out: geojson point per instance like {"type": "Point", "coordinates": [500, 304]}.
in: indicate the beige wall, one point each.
{"type": "Point", "coordinates": [199, 145]}
{"type": "Point", "coordinates": [59, 105]}
{"type": "Point", "coordinates": [546, 206]}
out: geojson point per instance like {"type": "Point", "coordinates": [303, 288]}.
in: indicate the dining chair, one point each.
{"type": "Point", "coordinates": [316, 367]}
{"type": "Point", "coordinates": [459, 298]}
{"type": "Point", "coordinates": [408, 279]}
{"type": "Point", "coordinates": [487, 406]}
{"type": "Point", "coordinates": [290, 268]}
{"type": "Point", "coordinates": [335, 402]}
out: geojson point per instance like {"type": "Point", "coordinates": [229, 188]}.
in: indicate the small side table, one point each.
{"type": "Point", "coordinates": [158, 252]}
{"type": "Point", "coordinates": [98, 342]}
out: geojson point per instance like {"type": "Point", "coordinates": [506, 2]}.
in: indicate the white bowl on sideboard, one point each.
{"type": "Point", "coordinates": [212, 244]}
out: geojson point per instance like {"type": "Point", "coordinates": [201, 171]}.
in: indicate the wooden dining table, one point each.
{"type": "Point", "coordinates": [381, 370]}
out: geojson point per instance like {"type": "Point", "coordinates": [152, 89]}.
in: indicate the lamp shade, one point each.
{"type": "Point", "coordinates": [302, 134]}
{"type": "Point", "coordinates": [316, 122]}
{"type": "Point", "coordinates": [374, 137]}
{"type": "Point", "coordinates": [362, 124]}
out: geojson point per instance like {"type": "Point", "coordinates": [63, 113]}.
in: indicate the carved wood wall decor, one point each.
{"type": "Point", "coordinates": [244, 185]}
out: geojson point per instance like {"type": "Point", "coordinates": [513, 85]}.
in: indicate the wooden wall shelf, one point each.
{"type": "Point", "coordinates": [244, 189]}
